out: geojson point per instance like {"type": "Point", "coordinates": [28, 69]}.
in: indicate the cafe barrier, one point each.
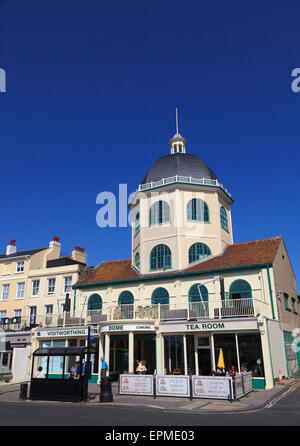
{"type": "Point", "coordinates": [217, 387]}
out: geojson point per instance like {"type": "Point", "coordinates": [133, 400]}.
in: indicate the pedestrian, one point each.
{"type": "Point", "coordinates": [232, 371]}
{"type": "Point", "coordinates": [39, 373]}
{"type": "Point", "coordinates": [73, 371]}
{"type": "Point", "coordinates": [104, 367]}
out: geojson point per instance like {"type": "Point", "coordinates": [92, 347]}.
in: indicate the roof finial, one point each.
{"type": "Point", "coordinates": [177, 143]}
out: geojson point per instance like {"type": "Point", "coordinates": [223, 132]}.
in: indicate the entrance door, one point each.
{"type": "Point", "coordinates": [204, 361]}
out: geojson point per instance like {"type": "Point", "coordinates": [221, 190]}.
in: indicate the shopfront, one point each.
{"type": "Point", "coordinates": [194, 349]}
{"type": "Point", "coordinates": [123, 345]}
{"type": "Point", "coordinates": [68, 337]}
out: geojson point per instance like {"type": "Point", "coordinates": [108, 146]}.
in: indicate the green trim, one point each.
{"type": "Point", "coordinates": [270, 289]}
{"type": "Point", "coordinates": [259, 383]}
{"type": "Point", "coordinates": [173, 276]}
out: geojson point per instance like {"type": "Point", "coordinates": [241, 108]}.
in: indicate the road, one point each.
{"type": "Point", "coordinates": [284, 412]}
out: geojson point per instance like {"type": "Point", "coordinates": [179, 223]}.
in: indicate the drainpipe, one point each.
{"type": "Point", "coordinates": [270, 289]}
{"type": "Point", "coordinates": [74, 306]}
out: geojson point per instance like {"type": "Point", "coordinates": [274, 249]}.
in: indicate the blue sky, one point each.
{"type": "Point", "coordinates": [92, 89]}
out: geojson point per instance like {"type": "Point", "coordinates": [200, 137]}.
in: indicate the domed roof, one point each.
{"type": "Point", "coordinates": [182, 164]}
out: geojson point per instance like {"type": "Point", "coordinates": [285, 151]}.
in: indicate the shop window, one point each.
{"type": "Point", "coordinates": [198, 251]}
{"type": "Point", "coordinates": [250, 353]}
{"type": "Point", "coordinates": [227, 343]}
{"type": "Point", "coordinates": [190, 351]}
{"type": "Point", "coordinates": [197, 210]}
{"type": "Point", "coordinates": [118, 354]}
{"type": "Point", "coordinates": [160, 257]}
{"type": "Point", "coordinates": [174, 356]}
{"type": "Point", "coordinates": [198, 301]}
{"type": "Point", "coordinates": [159, 213]}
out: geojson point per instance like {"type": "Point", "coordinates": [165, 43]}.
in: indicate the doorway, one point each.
{"type": "Point", "coordinates": [204, 356]}
{"type": "Point", "coordinates": [144, 349]}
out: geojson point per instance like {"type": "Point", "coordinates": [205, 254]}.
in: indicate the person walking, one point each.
{"type": "Point", "coordinates": [104, 367]}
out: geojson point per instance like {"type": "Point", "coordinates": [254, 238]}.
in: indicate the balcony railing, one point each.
{"type": "Point", "coordinates": [212, 309]}
{"type": "Point", "coordinates": [182, 179]}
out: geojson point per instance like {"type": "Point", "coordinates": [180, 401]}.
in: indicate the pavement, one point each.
{"type": "Point", "coordinates": [256, 400]}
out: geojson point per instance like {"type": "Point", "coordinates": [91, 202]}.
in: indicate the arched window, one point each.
{"type": "Point", "coordinates": [160, 296]}
{"type": "Point", "coordinates": [240, 298]}
{"type": "Point", "coordinates": [94, 304]}
{"type": "Point", "coordinates": [126, 301]}
{"type": "Point", "coordinates": [240, 289]}
{"type": "Point", "coordinates": [197, 210]}
{"type": "Point", "coordinates": [160, 257]}
{"type": "Point", "coordinates": [137, 261]}
{"type": "Point", "coordinates": [159, 213]}
{"type": "Point", "coordinates": [198, 251]}
{"type": "Point", "coordinates": [198, 301]}
{"type": "Point", "coordinates": [223, 216]}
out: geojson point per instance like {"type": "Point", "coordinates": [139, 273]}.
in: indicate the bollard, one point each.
{"type": "Point", "coordinates": [23, 391]}
{"type": "Point", "coordinates": [106, 395]}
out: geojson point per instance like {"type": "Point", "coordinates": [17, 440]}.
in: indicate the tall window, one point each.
{"type": "Point", "coordinates": [197, 210]}
{"type": "Point", "coordinates": [2, 317]}
{"type": "Point", "coordinates": [5, 292]}
{"type": "Point", "coordinates": [137, 261]}
{"type": "Point", "coordinates": [20, 290]}
{"type": "Point", "coordinates": [159, 213]}
{"type": "Point", "coordinates": [160, 296]}
{"type": "Point", "coordinates": [51, 286]}
{"type": "Point", "coordinates": [35, 287]}
{"type": "Point", "coordinates": [198, 251]}
{"type": "Point", "coordinates": [198, 301]}
{"type": "Point", "coordinates": [67, 284]}
{"type": "Point", "coordinates": [137, 223]}
{"type": "Point", "coordinates": [126, 300]}
{"type": "Point", "coordinates": [32, 315]}
{"type": "Point", "coordinates": [95, 303]}
{"type": "Point", "coordinates": [18, 314]}
{"type": "Point", "coordinates": [160, 257]}
{"type": "Point", "coordinates": [223, 216]}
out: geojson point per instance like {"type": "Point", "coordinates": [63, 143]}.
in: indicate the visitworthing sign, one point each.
{"type": "Point", "coordinates": [136, 385]}
{"type": "Point", "coordinates": [219, 387]}
{"type": "Point", "coordinates": [173, 385]}
{"type": "Point", "coordinates": [63, 333]}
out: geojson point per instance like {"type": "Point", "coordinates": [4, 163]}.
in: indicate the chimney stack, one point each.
{"type": "Point", "coordinates": [54, 242]}
{"type": "Point", "coordinates": [11, 248]}
{"type": "Point", "coordinates": [79, 255]}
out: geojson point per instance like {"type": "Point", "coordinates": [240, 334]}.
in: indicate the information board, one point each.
{"type": "Point", "coordinates": [247, 382]}
{"type": "Point", "coordinates": [219, 387]}
{"type": "Point", "coordinates": [173, 385]}
{"type": "Point", "coordinates": [136, 385]}
{"type": "Point", "coordinates": [238, 386]}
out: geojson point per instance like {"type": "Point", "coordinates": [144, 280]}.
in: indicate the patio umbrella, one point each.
{"type": "Point", "coordinates": [221, 364]}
